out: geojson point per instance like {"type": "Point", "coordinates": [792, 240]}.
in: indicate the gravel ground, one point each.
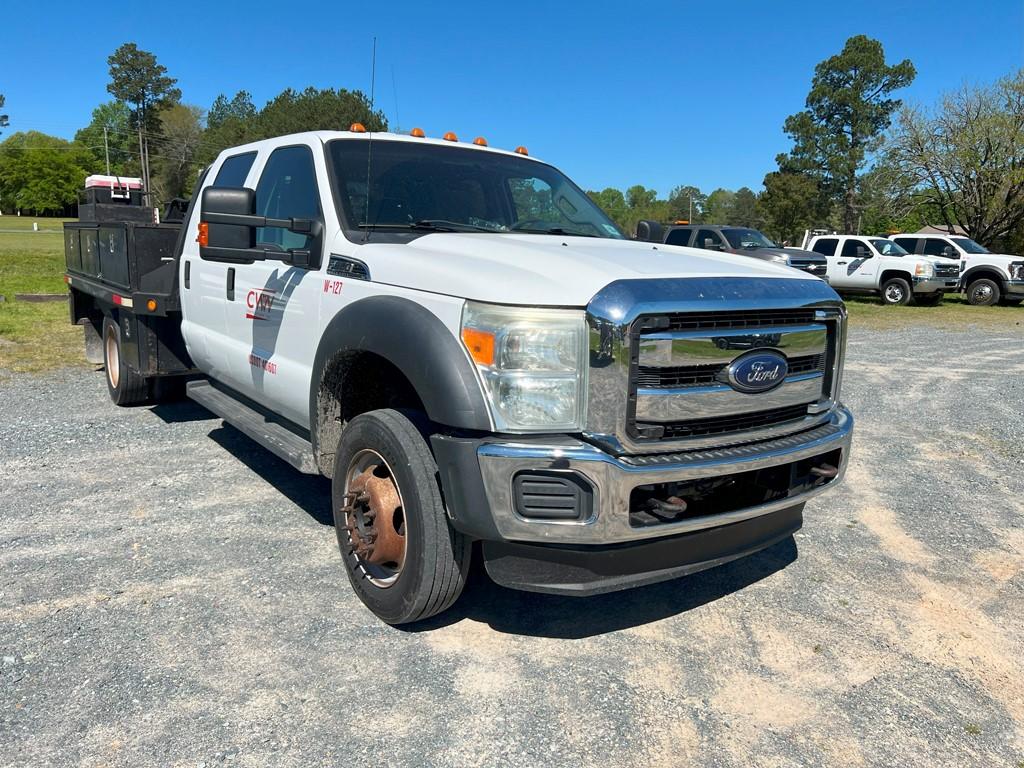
{"type": "Point", "coordinates": [171, 594]}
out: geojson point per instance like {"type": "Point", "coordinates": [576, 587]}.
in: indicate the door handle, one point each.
{"type": "Point", "coordinates": [231, 284]}
{"type": "Point", "coordinates": [188, 275]}
{"type": "Point", "coordinates": [840, 262]}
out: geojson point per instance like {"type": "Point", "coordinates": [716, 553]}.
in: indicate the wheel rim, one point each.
{"type": "Point", "coordinates": [374, 518]}
{"type": "Point", "coordinates": [113, 355]}
{"type": "Point", "coordinates": [894, 294]}
{"type": "Point", "coordinates": [983, 293]}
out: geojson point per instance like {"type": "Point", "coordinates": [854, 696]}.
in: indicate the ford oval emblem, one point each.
{"type": "Point", "coordinates": [757, 372]}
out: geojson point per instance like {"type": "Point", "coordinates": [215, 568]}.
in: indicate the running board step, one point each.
{"type": "Point", "coordinates": [256, 424]}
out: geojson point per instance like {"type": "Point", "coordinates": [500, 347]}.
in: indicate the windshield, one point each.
{"type": "Point", "coordinates": [425, 187]}
{"type": "Point", "coordinates": [969, 245]}
{"type": "Point", "coordinates": [887, 247]}
{"type": "Point", "coordinates": [747, 238]}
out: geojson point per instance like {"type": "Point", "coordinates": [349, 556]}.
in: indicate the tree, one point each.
{"type": "Point", "coordinates": [790, 203]}
{"type": "Point", "coordinates": [686, 202]}
{"type": "Point", "coordinates": [718, 207]}
{"type": "Point", "coordinates": [181, 132]}
{"type": "Point", "coordinates": [744, 212]}
{"type": "Point", "coordinates": [966, 159]}
{"type": "Point", "coordinates": [41, 173]}
{"type": "Point", "coordinates": [228, 124]}
{"type": "Point", "coordinates": [848, 108]}
{"type": "Point", "coordinates": [3, 118]}
{"type": "Point", "coordinates": [137, 79]}
{"type": "Point", "coordinates": [115, 117]}
{"type": "Point", "coordinates": [638, 197]}
{"type": "Point", "coordinates": [612, 202]}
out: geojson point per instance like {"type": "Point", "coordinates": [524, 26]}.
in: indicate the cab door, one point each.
{"type": "Point", "coordinates": [273, 318]}
{"type": "Point", "coordinates": [856, 265]}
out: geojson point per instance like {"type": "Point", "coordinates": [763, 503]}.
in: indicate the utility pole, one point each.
{"type": "Point", "coordinates": [690, 220]}
{"type": "Point", "coordinates": [106, 149]}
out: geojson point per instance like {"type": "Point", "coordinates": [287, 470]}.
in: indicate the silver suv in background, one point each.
{"type": "Point", "coordinates": [986, 278]}
{"type": "Point", "coordinates": [745, 242]}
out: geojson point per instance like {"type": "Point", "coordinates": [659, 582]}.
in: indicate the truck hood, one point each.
{"type": "Point", "coordinates": [792, 253]}
{"type": "Point", "coordinates": [1001, 259]}
{"type": "Point", "coordinates": [544, 270]}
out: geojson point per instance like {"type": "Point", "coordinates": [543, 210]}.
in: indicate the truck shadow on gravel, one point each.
{"type": "Point", "coordinates": [526, 613]}
{"type": "Point", "coordinates": [573, 618]}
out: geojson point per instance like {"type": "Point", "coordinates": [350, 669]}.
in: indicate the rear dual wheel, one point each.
{"type": "Point", "coordinates": [125, 386]}
{"type": "Point", "coordinates": [403, 559]}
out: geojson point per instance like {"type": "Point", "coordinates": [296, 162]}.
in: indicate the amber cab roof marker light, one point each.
{"type": "Point", "coordinates": [417, 132]}
{"type": "Point", "coordinates": [450, 137]}
{"type": "Point", "coordinates": [521, 151]}
{"type": "Point", "coordinates": [480, 141]}
{"type": "Point", "coordinates": [357, 128]}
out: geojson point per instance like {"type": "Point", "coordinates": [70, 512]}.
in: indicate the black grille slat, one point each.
{"type": "Point", "coordinates": [706, 375]}
{"type": "Point", "coordinates": [710, 321]}
{"type": "Point", "coordinates": [736, 423]}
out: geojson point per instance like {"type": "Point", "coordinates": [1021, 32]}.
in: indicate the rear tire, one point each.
{"type": "Point", "coordinates": [435, 557]}
{"type": "Point", "coordinates": [983, 292]}
{"type": "Point", "coordinates": [896, 292]}
{"type": "Point", "coordinates": [125, 386]}
{"type": "Point", "coordinates": [928, 299]}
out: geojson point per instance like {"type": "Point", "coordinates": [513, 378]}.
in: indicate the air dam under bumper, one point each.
{"type": "Point", "coordinates": [489, 483]}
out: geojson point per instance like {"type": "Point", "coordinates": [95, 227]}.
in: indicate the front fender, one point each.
{"type": "Point", "coordinates": [416, 342]}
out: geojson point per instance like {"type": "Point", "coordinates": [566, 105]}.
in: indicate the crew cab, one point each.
{"type": "Point", "coordinates": [876, 265]}
{"type": "Point", "coordinates": [472, 351]}
{"type": "Point", "coordinates": [745, 242]}
{"type": "Point", "coordinates": [986, 278]}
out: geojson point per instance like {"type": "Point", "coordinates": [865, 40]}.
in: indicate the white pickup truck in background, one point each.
{"type": "Point", "coordinates": [986, 278]}
{"type": "Point", "coordinates": [877, 265]}
{"type": "Point", "coordinates": [473, 352]}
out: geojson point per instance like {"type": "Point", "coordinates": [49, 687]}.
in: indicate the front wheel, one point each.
{"type": "Point", "coordinates": [124, 385]}
{"type": "Point", "coordinates": [896, 292]}
{"type": "Point", "coordinates": [403, 559]}
{"type": "Point", "coordinates": [983, 292]}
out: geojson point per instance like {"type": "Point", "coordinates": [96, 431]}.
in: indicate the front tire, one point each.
{"type": "Point", "coordinates": [124, 385]}
{"type": "Point", "coordinates": [896, 292]}
{"type": "Point", "coordinates": [403, 559]}
{"type": "Point", "coordinates": [983, 292]}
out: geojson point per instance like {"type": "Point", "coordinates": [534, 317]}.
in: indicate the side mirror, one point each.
{"type": "Point", "coordinates": [710, 244]}
{"type": "Point", "coordinates": [863, 253]}
{"type": "Point", "coordinates": [949, 252]}
{"type": "Point", "coordinates": [228, 224]}
{"type": "Point", "coordinates": [649, 231]}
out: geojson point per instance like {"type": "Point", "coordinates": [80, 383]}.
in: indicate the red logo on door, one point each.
{"type": "Point", "coordinates": [259, 301]}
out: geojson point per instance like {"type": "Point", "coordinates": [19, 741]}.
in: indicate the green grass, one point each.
{"type": "Point", "coordinates": [951, 314]}
{"type": "Point", "coordinates": [34, 337]}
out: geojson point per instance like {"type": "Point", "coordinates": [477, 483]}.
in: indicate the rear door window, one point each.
{"type": "Point", "coordinates": [234, 169]}
{"type": "Point", "coordinates": [826, 246]}
{"type": "Point", "coordinates": [678, 237]}
{"type": "Point", "coordinates": [907, 243]}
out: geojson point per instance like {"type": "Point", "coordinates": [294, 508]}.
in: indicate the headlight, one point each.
{"type": "Point", "coordinates": [1017, 270]}
{"type": "Point", "coordinates": [925, 269]}
{"type": "Point", "coordinates": [533, 363]}
{"type": "Point", "coordinates": [780, 258]}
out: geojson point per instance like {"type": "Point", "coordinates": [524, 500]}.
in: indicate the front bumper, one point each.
{"type": "Point", "coordinates": [936, 284]}
{"type": "Point", "coordinates": [478, 482]}
{"type": "Point", "coordinates": [1014, 288]}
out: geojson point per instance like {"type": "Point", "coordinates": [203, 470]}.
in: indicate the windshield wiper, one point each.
{"type": "Point", "coordinates": [431, 225]}
{"type": "Point", "coordinates": [554, 231]}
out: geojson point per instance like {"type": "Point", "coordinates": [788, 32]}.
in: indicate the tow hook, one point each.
{"type": "Point", "coordinates": [670, 507]}
{"type": "Point", "coordinates": [824, 473]}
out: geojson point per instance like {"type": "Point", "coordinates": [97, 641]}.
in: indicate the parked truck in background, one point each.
{"type": "Point", "coordinates": [986, 278]}
{"type": "Point", "coordinates": [876, 265]}
{"type": "Point", "coordinates": [472, 352]}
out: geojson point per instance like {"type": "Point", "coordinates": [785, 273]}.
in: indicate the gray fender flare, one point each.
{"type": "Point", "coordinates": [416, 342]}
{"type": "Point", "coordinates": [973, 273]}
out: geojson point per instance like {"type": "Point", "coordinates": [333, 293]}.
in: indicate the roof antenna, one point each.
{"type": "Point", "coordinates": [369, 141]}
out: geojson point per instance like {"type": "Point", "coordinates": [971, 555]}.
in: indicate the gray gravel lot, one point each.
{"type": "Point", "coordinates": [171, 594]}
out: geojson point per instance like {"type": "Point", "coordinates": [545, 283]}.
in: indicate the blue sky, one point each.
{"type": "Point", "coordinates": [615, 94]}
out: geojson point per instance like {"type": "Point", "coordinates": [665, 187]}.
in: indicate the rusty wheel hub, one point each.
{"type": "Point", "coordinates": [374, 518]}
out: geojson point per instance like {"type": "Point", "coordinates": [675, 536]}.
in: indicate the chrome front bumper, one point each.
{"type": "Point", "coordinates": [613, 479]}
{"type": "Point", "coordinates": [935, 284]}
{"type": "Point", "coordinates": [1015, 288]}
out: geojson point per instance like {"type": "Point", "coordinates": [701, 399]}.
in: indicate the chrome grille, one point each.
{"type": "Point", "coordinates": [702, 375]}
{"type": "Point", "coordinates": [707, 321]}
{"type": "Point", "coordinates": [947, 270]}
{"type": "Point", "coordinates": [738, 423]}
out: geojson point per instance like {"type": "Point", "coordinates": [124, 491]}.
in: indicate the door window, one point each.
{"type": "Point", "coordinates": [287, 189]}
{"type": "Point", "coordinates": [826, 246]}
{"type": "Point", "coordinates": [934, 246]}
{"type": "Point", "coordinates": [850, 249]}
{"type": "Point", "coordinates": [678, 237]}
{"type": "Point", "coordinates": [707, 234]}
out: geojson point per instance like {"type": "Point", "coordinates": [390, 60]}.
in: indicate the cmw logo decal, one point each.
{"type": "Point", "coordinates": [758, 372]}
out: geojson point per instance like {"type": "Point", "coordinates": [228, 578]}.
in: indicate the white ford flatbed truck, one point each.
{"type": "Point", "coordinates": [473, 352]}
